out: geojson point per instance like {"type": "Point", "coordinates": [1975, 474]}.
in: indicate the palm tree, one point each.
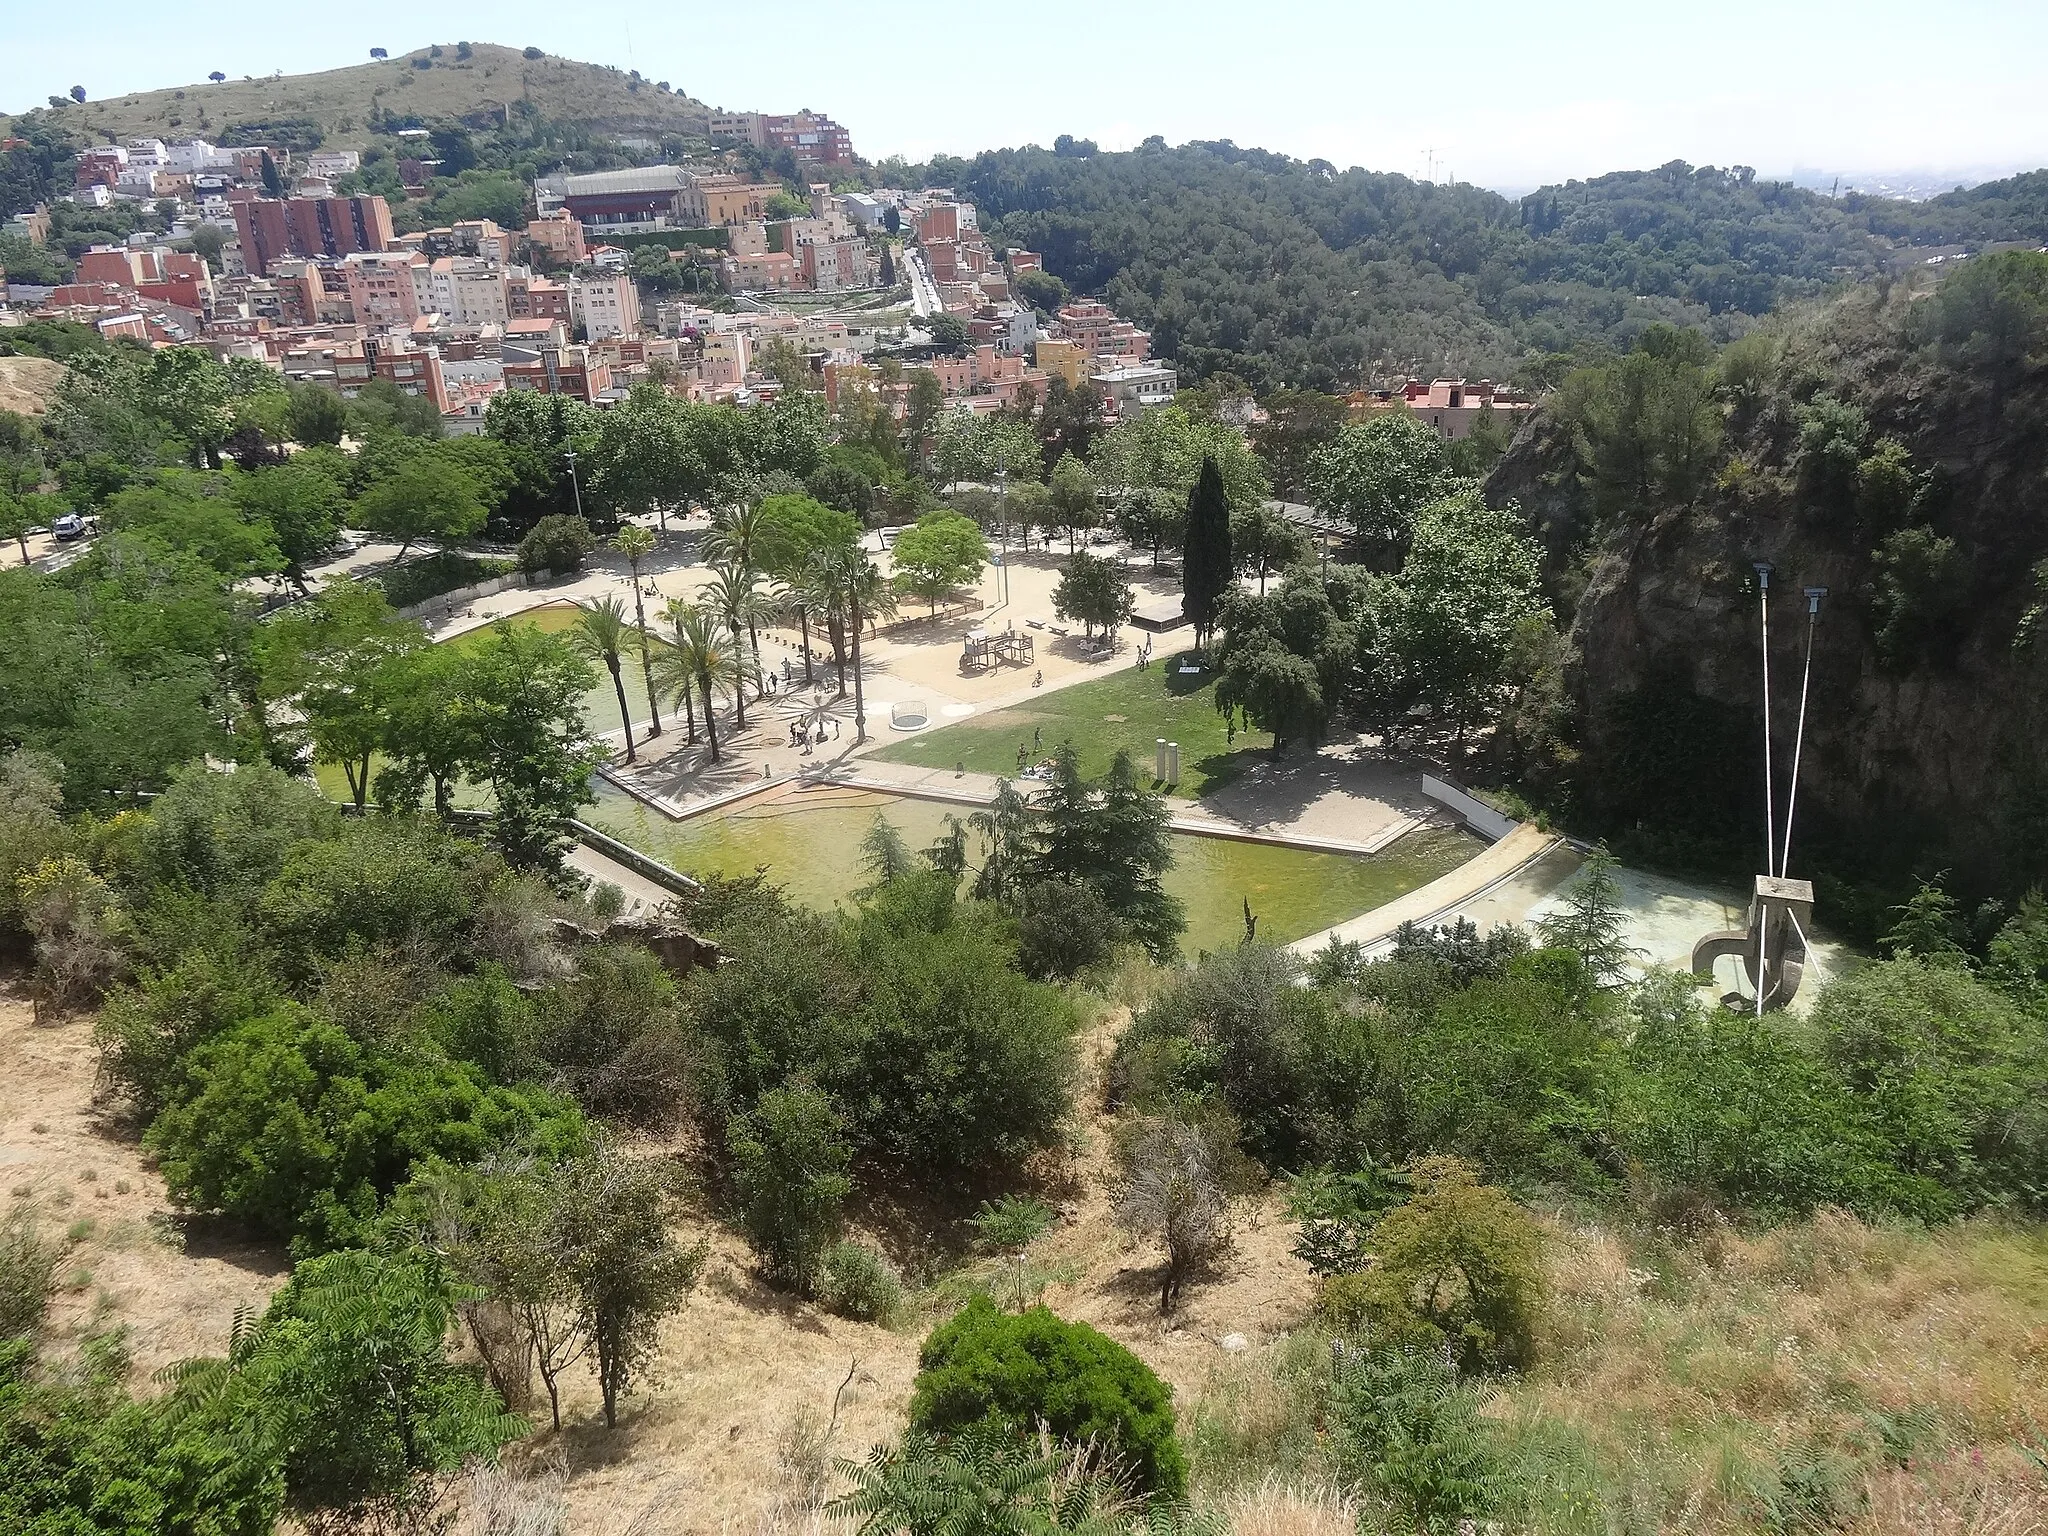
{"type": "Point", "coordinates": [736, 597]}
{"type": "Point", "coordinates": [701, 656]}
{"type": "Point", "coordinates": [825, 596]}
{"type": "Point", "coordinates": [741, 538]}
{"type": "Point", "coordinates": [600, 633]}
{"type": "Point", "coordinates": [636, 544]}
{"type": "Point", "coordinates": [868, 592]}
{"type": "Point", "coordinates": [674, 614]}
{"type": "Point", "coordinates": [737, 537]}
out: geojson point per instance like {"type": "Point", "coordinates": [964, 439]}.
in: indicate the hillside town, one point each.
{"type": "Point", "coordinates": [864, 287]}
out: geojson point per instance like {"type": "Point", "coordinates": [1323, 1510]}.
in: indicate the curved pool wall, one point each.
{"type": "Point", "coordinates": [808, 838]}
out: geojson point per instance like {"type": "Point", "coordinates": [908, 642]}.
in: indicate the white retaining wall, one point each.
{"type": "Point", "coordinates": [1479, 816]}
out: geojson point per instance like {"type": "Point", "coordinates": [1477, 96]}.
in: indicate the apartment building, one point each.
{"type": "Point", "coordinates": [1137, 388]}
{"type": "Point", "coordinates": [605, 306]}
{"type": "Point", "coordinates": [465, 290]}
{"type": "Point", "coordinates": [535, 298]}
{"type": "Point", "coordinates": [572, 371]}
{"type": "Point", "coordinates": [272, 228]}
{"type": "Point", "coordinates": [810, 136]}
{"type": "Point", "coordinates": [1452, 406]}
{"type": "Point", "coordinates": [346, 365]}
{"type": "Point", "coordinates": [560, 235]}
{"type": "Point", "coordinates": [381, 289]}
{"type": "Point", "coordinates": [768, 272]}
{"type": "Point", "coordinates": [1060, 358]}
{"type": "Point", "coordinates": [1103, 333]}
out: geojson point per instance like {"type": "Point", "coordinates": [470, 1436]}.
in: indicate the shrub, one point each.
{"type": "Point", "coordinates": [447, 570]}
{"type": "Point", "coordinates": [401, 880]}
{"type": "Point", "coordinates": [612, 1036]}
{"type": "Point", "coordinates": [1456, 1268]}
{"type": "Point", "coordinates": [287, 1124]}
{"type": "Point", "coordinates": [557, 543]}
{"type": "Point", "coordinates": [1405, 1423]}
{"type": "Point", "coordinates": [1009, 1222]}
{"type": "Point", "coordinates": [789, 1158]}
{"type": "Point", "coordinates": [28, 1274]}
{"type": "Point", "coordinates": [855, 1281]}
{"type": "Point", "coordinates": [986, 1367]}
{"type": "Point", "coordinates": [1063, 927]}
{"type": "Point", "coordinates": [144, 1031]}
{"type": "Point", "coordinates": [227, 835]}
{"type": "Point", "coordinates": [1174, 1188]}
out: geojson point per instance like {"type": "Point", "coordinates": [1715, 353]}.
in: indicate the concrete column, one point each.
{"type": "Point", "coordinates": [1173, 762]}
{"type": "Point", "coordinates": [1159, 758]}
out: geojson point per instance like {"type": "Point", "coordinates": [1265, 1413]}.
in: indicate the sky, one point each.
{"type": "Point", "coordinates": [1506, 95]}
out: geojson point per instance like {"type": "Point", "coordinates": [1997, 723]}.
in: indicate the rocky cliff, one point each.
{"type": "Point", "coordinates": [1852, 452]}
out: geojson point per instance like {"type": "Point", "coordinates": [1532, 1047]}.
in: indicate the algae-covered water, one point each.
{"type": "Point", "coordinates": [809, 841]}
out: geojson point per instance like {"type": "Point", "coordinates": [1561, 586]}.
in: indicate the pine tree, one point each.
{"type": "Point", "coordinates": [888, 268]}
{"type": "Point", "coordinates": [1206, 568]}
{"type": "Point", "coordinates": [1593, 920]}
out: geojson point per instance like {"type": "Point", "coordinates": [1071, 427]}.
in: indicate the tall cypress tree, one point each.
{"type": "Point", "coordinates": [1205, 567]}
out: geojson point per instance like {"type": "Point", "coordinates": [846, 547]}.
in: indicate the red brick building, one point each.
{"type": "Point", "coordinates": [309, 226]}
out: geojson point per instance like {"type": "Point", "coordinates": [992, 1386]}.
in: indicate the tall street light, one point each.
{"type": "Point", "coordinates": [574, 485]}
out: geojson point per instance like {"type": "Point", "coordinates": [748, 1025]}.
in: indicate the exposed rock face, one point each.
{"type": "Point", "coordinates": [1932, 757]}
{"type": "Point", "coordinates": [678, 950]}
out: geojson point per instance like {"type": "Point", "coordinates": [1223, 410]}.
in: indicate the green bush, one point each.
{"type": "Point", "coordinates": [400, 880]}
{"type": "Point", "coordinates": [1064, 927]}
{"type": "Point", "coordinates": [990, 1367]}
{"type": "Point", "coordinates": [557, 543]}
{"type": "Point", "coordinates": [287, 1124]}
{"type": "Point", "coordinates": [227, 833]}
{"type": "Point", "coordinates": [447, 570]}
{"type": "Point", "coordinates": [1406, 1426]}
{"type": "Point", "coordinates": [1008, 1223]}
{"type": "Point", "coordinates": [855, 1281]}
{"type": "Point", "coordinates": [144, 1031]}
{"type": "Point", "coordinates": [911, 1016]}
{"type": "Point", "coordinates": [789, 1158]}
{"type": "Point", "coordinates": [1455, 1267]}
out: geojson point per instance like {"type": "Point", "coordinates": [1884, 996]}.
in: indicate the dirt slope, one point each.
{"type": "Point", "coordinates": [28, 384]}
{"type": "Point", "coordinates": [173, 1285]}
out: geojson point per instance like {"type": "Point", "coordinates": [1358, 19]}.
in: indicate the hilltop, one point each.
{"type": "Point", "coordinates": [428, 83]}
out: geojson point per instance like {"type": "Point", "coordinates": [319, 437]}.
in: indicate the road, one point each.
{"type": "Point", "coordinates": [924, 293]}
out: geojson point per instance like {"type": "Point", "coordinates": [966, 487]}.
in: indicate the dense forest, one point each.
{"type": "Point", "coordinates": [1288, 272]}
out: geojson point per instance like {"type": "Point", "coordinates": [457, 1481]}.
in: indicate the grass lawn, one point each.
{"type": "Point", "coordinates": [1128, 710]}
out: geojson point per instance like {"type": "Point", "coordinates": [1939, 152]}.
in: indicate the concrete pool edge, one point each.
{"type": "Point", "coordinates": [1453, 889]}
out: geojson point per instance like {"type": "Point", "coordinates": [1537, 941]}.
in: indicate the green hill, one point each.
{"type": "Point", "coordinates": [428, 83]}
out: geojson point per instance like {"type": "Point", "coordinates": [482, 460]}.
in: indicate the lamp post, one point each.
{"type": "Point", "coordinates": [574, 484]}
{"type": "Point", "coordinates": [1003, 512]}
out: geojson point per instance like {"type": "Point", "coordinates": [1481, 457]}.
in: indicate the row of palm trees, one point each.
{"type": "Point", "coordinates": [712, 647]}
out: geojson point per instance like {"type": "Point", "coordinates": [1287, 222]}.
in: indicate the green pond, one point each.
{"type": "Point", "coordinates": [809, 840]}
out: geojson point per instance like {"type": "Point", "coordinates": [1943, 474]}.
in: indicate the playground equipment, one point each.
{"type": "Point", "coordinates": [909, 715]}
{"type": "Point", "coordinates": [1005, 648]}
{"type": "Point", "coordinates": [1773, 945]}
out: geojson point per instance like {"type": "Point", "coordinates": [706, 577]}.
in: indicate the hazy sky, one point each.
{"type": "Point", "coordinates": [1504, 94]}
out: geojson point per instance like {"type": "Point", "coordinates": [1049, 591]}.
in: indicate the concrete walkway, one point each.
{"type": "Point", "coordinates": [1442, 899]}
{"type": "Point", "coordinates": [643, 896]}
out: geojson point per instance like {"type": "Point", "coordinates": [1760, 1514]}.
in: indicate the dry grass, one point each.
{"type": "Point", "coordinates": [1277, 1508]}
{"type": "Point", "coordinates": [1892, 1376]}
{"type": "Point", "coordinates": [172, 1286]}
{"type": "Point", "coordinates": [28, 384]}
{"type": "Point", "coordinates": [340, 99]}
{"type": "Point", "coordinates": [1827, 1364]}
